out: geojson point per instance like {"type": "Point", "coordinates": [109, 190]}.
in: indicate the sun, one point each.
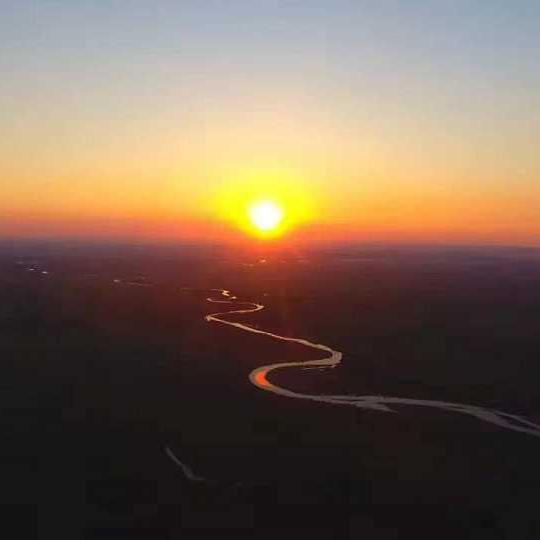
{"type": "Point", "coordinates": [266, 203]}
{"type": "Point", "coordinates": [266, 216]}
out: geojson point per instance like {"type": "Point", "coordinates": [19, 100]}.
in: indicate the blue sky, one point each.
{"type": "Point", "coordinates": [449, 88]}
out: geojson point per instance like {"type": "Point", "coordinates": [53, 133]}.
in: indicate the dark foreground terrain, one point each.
{"type": "Point", "coordinates": [107, 361]}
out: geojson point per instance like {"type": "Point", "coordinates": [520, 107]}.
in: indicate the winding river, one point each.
{"type": "Point", "coordinates": [259, 377]}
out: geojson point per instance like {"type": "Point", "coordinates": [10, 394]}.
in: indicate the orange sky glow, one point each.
{"type": "Point", "coordinates": [362, 123]}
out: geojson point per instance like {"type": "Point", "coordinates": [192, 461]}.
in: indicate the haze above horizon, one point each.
{"type": "Point", "coordinates": [362, 120]}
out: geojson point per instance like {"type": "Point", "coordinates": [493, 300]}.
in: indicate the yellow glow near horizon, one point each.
{"type": "Point", "coordinates": [264, 202]}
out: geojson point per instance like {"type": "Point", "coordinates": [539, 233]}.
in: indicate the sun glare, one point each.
{"type": "Point", "coordinates": [265, 203]}
{"type": "Point", "coordinates": [265, 215]}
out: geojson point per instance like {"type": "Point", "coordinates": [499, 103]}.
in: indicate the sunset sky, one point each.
{"type": "Point", "coordinates": [409, 121]}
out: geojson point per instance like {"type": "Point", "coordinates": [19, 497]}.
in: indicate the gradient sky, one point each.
{"type": "Point", "coordinates": [404, 120]}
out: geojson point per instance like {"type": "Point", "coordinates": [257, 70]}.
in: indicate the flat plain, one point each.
{"type": "Point", "coordinates": [107, 362]}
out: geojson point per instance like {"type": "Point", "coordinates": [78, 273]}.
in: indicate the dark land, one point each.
{"type": "Point", "coordinates": [100, 376]}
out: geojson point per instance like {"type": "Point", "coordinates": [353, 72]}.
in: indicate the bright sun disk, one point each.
{"type": "Point", "coordinates": [266, 215]}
